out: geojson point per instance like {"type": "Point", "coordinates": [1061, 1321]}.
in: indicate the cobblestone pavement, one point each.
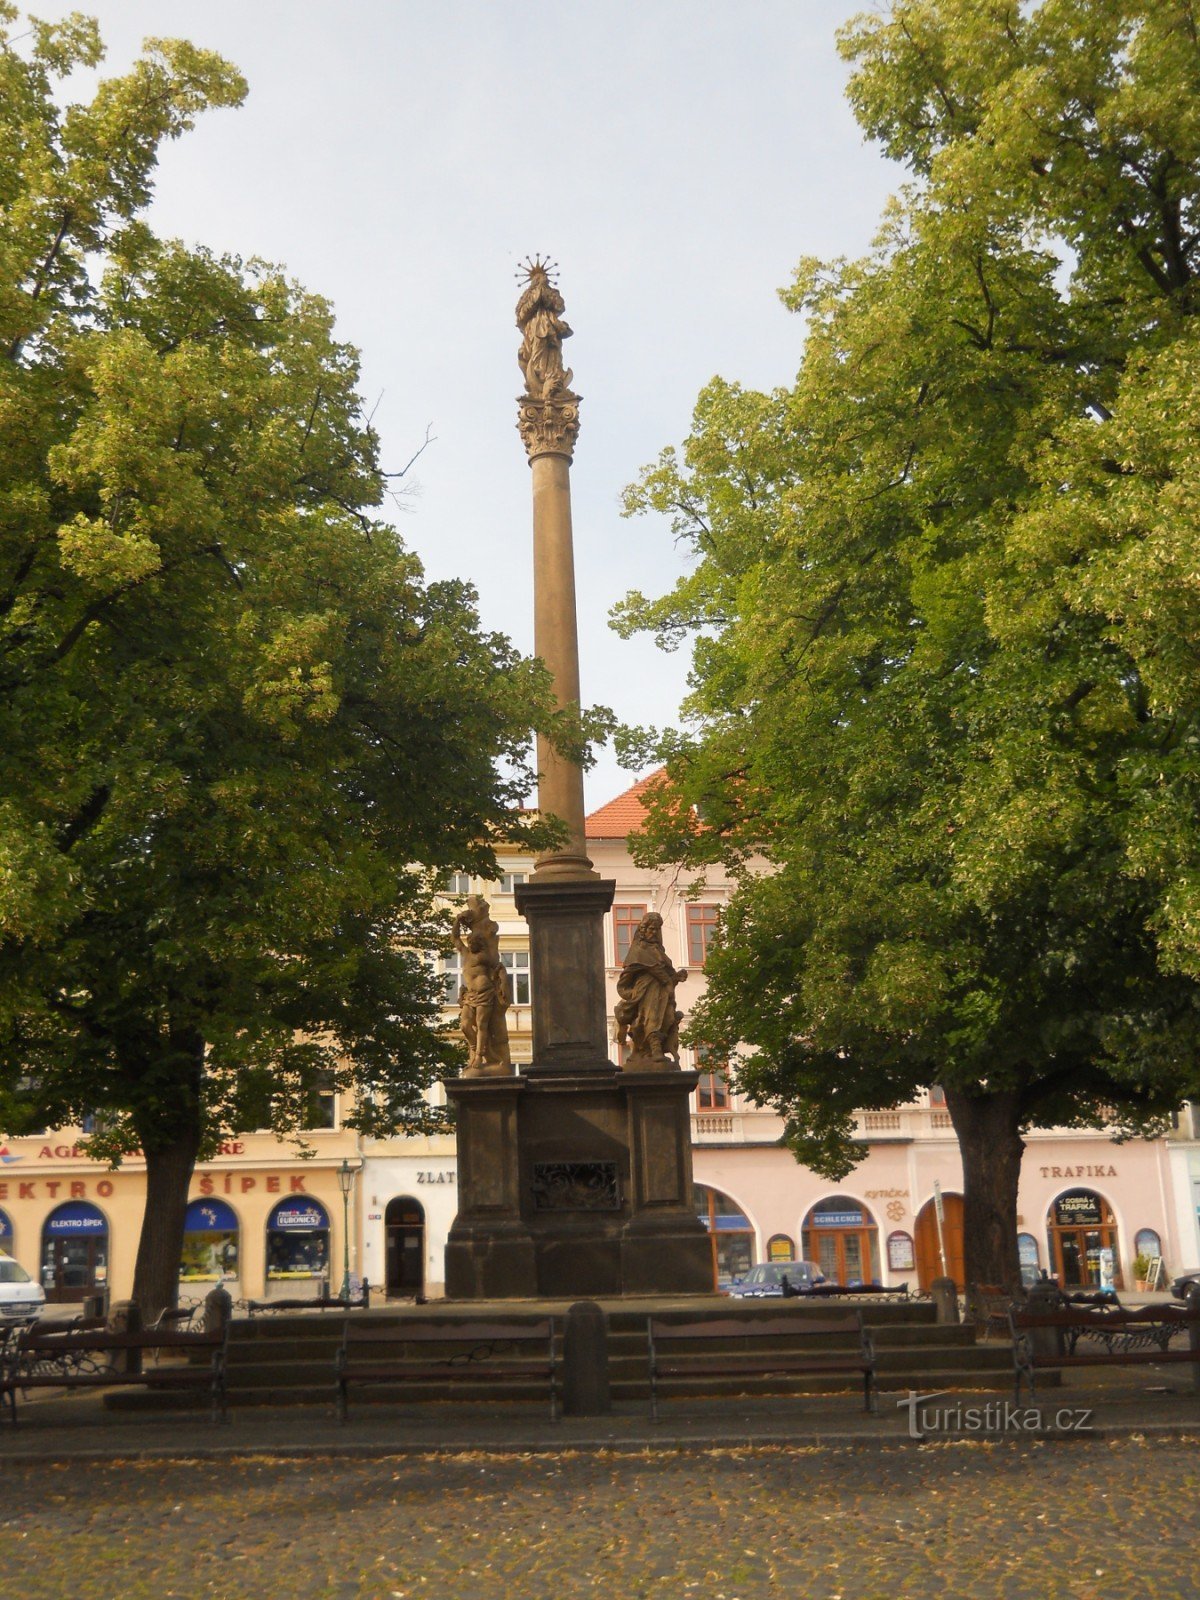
{"type": "Point", "coordinates": [1013, 1519]}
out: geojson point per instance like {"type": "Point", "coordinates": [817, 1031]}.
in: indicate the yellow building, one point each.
{"type": "Point", "coordinates": [264, 1220]}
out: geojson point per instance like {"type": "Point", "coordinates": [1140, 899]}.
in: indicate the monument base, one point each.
{"type": "Point", "coordinates": [576, 1185]}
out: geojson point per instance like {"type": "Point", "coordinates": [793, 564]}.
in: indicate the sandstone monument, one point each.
{"type": "Point", "coordinates": [575, 1175]}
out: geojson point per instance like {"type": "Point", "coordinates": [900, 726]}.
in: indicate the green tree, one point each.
{"type": "Point", "coordinates": [233, 714]}
{"type": "Point", "coordinates": [944, 678]}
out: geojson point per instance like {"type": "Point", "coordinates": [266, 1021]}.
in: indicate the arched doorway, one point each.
{"type": "Point", "coordinates": [730, 1234]}
{"type": "Point", "coordinates": [841, 1237]}
{"type": "Point", "coordinates": [74, 1251]}
{"type": "Point", "coordinates": [929, 1255]}
{"type": "Point", "coordinates": [404, 1235]}
{"type": "Point", "coordinates": [1080, 1225]}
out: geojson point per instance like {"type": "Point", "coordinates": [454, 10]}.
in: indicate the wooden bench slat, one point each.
{"type": "Point", "coordinates": [744, 1338]}
{"type": "Point", "coordinates": [400, 1354]}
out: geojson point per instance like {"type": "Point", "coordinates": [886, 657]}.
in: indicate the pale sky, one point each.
{"type": "Point", "coordinates": [675, 157]}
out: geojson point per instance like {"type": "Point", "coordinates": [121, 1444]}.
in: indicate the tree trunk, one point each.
{"type": "Point", "coordinates": [170, 1139]}
{"type": "Point", "coordinates": [989, 1139]}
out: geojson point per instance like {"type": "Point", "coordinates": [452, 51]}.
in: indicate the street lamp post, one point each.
{"type": "Point", "coordinates": [346, 1176]}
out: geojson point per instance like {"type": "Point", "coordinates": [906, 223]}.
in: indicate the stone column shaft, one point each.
{"type": "Point", "coordinates": [556, 641]}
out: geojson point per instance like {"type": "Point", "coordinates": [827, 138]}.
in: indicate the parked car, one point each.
{"type": "Point", "coordinates": [1184, 1282]}
{"type": "Point", "coordinates": [21, 1299]}
{"type": "Point", "coordinates": [766, 1279]}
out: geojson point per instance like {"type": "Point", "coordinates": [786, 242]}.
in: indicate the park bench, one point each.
{"type": "Point", "coordinates": [1101, 1335]}
{"type": "Point", "coordinates": [988, 1307]}
{"type": "Point", "coordinates": [99, 1357]}
{"type": "Point", "coordinates": [433, 1353]}
{"type": "Point", "coordinates": [763, 1347]}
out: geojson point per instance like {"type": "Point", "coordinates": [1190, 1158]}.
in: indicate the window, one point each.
{"type": "Point", "coordinates": [712, 1092]}
{"type": "Point", "coordinates": [730, 1233]}
{"type": "Point", "coordinates": [625, 924]}
{"type": "Point", "coordinates": [510, 880]}
{"type": "Point", "coordinates": [516, 963]}
{"type": "Point", "coordinates": [937, 1096]}
{"type": "Point", "coordinates": [210, 1242]}
{"type": "Point", "coordinates": [319, 1109]}
{"type": "Point", "coordinates": [298, 1239]}
{"type": "Point", "coordinates": [701, 925]}
{"type": "Point", "coordinates": [451, 970]}
{"type": "Point", "coordinates": [456, 883]}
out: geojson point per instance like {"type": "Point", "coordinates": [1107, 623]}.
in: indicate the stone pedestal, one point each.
{"type": "Point", "coordinates": [576, 1184]}
{"type": "Point", "coordinates": [566, 972]}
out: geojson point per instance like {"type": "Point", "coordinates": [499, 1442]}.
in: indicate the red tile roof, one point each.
{"type": "Point", "coordinates": [622, 816]}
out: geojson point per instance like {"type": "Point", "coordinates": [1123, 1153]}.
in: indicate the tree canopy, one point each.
{"type": "Point", "coordinates": [944, 606]}
{"type": "Point", "coordinates": [241, 732]}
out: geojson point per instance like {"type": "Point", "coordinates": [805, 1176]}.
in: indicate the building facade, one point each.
{"type": "Point", "coordinates": [272, 1222]}
{"type": "Point", "coordinates": [263, 1219]}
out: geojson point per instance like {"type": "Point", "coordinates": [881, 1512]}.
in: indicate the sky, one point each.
{"type": "Point", "coordinates": [676, 158]}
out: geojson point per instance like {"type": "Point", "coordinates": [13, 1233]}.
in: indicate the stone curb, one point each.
{"type": "Point", "coordinates": [649, 1444]}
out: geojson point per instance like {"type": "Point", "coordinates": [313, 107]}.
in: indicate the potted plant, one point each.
{"type": "Point", "coordinates": [1141, 1271]}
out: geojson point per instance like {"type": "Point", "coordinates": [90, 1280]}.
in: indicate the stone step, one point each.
{"type": "Point", "coordinates": [624, 1390]}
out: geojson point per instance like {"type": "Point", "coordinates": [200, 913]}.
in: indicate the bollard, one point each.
{"type": "Point", "coordinates": [96, 1305]}
{"type": "Point", "coordinates": [126, 1318]}
{"type": "Point", "coordinates": [218, 1308]}
{"type": "Point", "coordinates": [585, 1362]}
{"type": "Point", "coordinates": [945, 1298]}
{"type": "Point", "coordinates": [1047, 1342]}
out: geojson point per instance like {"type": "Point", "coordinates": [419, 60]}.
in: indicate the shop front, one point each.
{"type": "Point", "coordinates": [260, 1220]}
{"type": "Point", "coordinates": [211, 1244]}
{"type": "Point", "coordinates": [297, 1248]}
{"type": "Point", "coordinates": [841, 1236]}
{"type": "Point", "coordinates": [74, 1252]}
{"type": "Point", "coordinates": [1083, 1242]}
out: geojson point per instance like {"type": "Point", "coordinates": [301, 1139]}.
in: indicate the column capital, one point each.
{"type": "Point", "coordinates": [548, 427]}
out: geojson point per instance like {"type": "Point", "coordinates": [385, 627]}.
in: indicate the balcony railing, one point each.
{"type": "Point", "coordinates": [713, 1125]}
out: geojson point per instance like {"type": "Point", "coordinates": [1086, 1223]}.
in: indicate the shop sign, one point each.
{"type": "Point", "coordinates": [1077, 1210]}
{"type": "Point", "coordinates": [243, 1182]}
{"type": "Point", "coordinates": [36, 1188]}
{"type": "Point", "coordinates": [1100, 1171]}
{"type": "Point", "coordinates": [76, 1217]}
{"type": "Point", "coordinates": [296, 1216]}
{"type": "Point", "coordinates": [835, 1219]}
{"type": "Point", "coordinates": [435, 1177]}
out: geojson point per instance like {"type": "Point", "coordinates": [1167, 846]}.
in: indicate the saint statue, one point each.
{"type": "Point", "coordinates": [646, 1014]}
{"type": "Point", "coordinates": [484, 996]}
{"type": "Point", "coordinates": [543, 329]}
